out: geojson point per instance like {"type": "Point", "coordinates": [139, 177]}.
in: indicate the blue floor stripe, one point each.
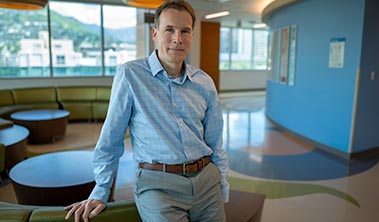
{"type": "Point", "coordinates": [308, 166]}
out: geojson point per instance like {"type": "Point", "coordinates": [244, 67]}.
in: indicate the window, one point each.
{"type": "Point", "coordinates": [243, 49]}
{"type": "Point", "coordinates": [225, 48]}
{"type": "Point", "coordinates": [23, 51]}
{"type": "Point", "coordinates": [82, 44]}
{"type": "Point", "coordinates": [78, 37]}
{"type": "Point", "coordinates": [61, 60]}
{"type": "Point", "coordinates": [120, 38]}
{"type": "Point", "coordinates": [260, 49]}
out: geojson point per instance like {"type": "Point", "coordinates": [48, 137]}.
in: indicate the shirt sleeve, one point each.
{"type": "Point", "coordinates": [213, 130]}
{"type": "Point", "coordinates": [110, 146]}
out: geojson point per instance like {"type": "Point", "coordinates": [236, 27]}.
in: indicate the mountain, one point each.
{"type": "Point", "coordinates": [125, 35]}
{"type": "Point", "coordinates": [27, 24]}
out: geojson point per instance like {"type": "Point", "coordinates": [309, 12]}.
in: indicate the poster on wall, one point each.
{"type": "Point", "coordinates": [284, 55]}
{"type": "Point", "coordinates": [292, 56]}
{"type": "Point", "coordinates": [336, 52]}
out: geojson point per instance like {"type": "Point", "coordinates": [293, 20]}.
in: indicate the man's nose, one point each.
{"type": "Point", "coordinates": [178, 38]}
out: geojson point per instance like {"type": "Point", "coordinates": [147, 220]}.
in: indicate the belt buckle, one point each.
{"type": "Point", "coordinates": [184, 171]}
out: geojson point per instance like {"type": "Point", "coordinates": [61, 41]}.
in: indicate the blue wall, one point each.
{"type": "Point", "coordinates": [320, 105]}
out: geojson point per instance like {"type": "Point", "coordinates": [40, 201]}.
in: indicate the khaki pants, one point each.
{"type": "Point", "coordinates": [162, 196]}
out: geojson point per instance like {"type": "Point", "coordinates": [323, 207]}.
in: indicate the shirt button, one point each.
{"type": "Point", "coordinates": [175, 104]}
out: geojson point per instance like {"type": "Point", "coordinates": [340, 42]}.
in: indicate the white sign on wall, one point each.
{"type": "Point", "coordinates": [337, 52]}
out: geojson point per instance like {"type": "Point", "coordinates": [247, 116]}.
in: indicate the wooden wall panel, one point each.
{"type": "Point", "coordinates": [209, 50]}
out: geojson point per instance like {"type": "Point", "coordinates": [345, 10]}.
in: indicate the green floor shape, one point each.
{"type": "Point", "coordinates": [278, 189]}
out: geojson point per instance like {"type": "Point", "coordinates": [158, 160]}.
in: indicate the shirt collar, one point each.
{"type": "Point", "coordinates": [156, 66]}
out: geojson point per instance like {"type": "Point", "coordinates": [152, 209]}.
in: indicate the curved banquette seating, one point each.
{"type": "Point", "coordinates": [242, 207]}
{"type": "Point", "coordinates": [85, 103]}
{"type": "Point", "coordinates": [119, 211]}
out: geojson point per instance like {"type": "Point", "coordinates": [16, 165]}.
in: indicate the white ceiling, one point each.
{"type": "Point", "coordinates": [244, 12]}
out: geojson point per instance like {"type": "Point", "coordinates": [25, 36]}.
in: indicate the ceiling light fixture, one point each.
{"type": "Point", "coordinates": [259, 25]}
{"type": "Point", "coordinates": [216, 15]}
{"type": "Point", "coordinates": [151, 4]}
{"type": "Point", "coordinates": [24, 4]}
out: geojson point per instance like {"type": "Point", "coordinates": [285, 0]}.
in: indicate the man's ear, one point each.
{"type": "Point", "coordinates": [154, 32]}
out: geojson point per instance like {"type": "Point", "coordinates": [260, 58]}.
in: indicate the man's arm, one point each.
{"type": "Point", "coordinates": [213, 130]}
{"type": "Point", "coordinates": [108, 151]}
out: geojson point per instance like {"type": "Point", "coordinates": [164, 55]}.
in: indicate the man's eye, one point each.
{"type": "Point", "coordinates": [186, 31]}
{"type": "Point", "coordinates": [170, 30]}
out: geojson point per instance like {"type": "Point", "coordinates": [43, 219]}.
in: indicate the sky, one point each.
{"type": "Point", "coordinates": [114, 16]}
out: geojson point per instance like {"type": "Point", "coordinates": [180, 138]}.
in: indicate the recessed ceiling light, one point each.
{"type": "Point", "coordinates": [216, 15]}
{"type": "Point", "coordinates": [219, 1]}
{"type": "Point", "coordinates": [259, 25]}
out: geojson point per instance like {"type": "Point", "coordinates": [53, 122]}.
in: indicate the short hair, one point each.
{"type": "Point", "coordinates": [180, 5]}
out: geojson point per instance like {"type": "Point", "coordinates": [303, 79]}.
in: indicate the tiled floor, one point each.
{"type": "Point", "coordinates": [301, 183]}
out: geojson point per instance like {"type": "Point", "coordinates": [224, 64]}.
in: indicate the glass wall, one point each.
{"type": "Point", "coordinates": [86, 40]}
{"type": "Point", "coordinates": [243, 49]}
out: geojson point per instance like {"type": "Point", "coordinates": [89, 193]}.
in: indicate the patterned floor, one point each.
{"type": "Point", "coordinates": [300, 182]}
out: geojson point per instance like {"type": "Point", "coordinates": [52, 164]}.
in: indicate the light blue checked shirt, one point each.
{"type": "Point", "coordinates": [171, 121]}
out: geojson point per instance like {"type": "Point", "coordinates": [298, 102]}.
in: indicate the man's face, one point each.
{"type": "Point", "coordinates": [173, 37]}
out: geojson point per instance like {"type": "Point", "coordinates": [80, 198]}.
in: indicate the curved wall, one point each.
{"type": "Point", "coordinates": [321, 105]}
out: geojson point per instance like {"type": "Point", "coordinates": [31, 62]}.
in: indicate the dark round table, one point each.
{"type": "Point", "coordinates": [14, 139]}
{"type": "Point", "coordinates": [54, 179]}
{"type": "Point", "coordinates": [45, 125]}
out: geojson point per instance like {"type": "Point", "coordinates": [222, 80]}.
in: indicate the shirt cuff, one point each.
{"type": "Point", "coordinates": [100, 193]}
{"type": "Point", "coordinates": [225, 189]}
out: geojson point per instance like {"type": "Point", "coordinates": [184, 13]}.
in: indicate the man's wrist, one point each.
{"type": "Point", "coordinates": [100, 193]}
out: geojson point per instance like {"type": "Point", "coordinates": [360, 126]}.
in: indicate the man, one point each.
{"type": "Point", "coordinates": [175, 120]}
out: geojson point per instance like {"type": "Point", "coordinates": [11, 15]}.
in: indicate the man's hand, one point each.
{"type": "Point", "coordinates": [85, 209]}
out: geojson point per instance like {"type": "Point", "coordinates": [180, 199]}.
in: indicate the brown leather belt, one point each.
{"type": "Point", "coordinates": [185, 168]}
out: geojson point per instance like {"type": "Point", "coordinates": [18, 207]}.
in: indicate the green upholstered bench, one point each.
{"type": "Point", "coordinates": [242, 207]}
{"type": "Point", "coordinates": [83, 102]}
{"type": "Point", "coordinates": [36, 98]}
{"type": "Point", "coordinates": [77, 100]}
{"type": "Point", "coordinates": [119, 211]}
{"type": "Point", "coordinates": [6, 103]}
{"type": "Point", "coordinates": [14, 214]}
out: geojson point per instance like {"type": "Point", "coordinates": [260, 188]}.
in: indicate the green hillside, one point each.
{"type": "Point", "coordinates": [15, 26]}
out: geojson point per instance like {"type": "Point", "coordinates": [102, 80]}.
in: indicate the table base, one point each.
{"type": "Point", "coordinates": [15, 153]}
{"type": "Point", "coordinates": [46, 131]}
{"type": "Point", "coordinates": [59, 196]}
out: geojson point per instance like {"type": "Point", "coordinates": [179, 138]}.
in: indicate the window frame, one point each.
{"type": "Point", "coordinates": [231, 49]}
{"type": "Point", "coordinates": [54, 56]}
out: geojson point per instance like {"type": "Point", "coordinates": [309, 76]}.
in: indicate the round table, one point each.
{"type": "Point", "coordinates": [54, 179]}
{"type": "Point", "coordinates": [14, 139]}
{"type": "Point", "coordinates": [45, 125]}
